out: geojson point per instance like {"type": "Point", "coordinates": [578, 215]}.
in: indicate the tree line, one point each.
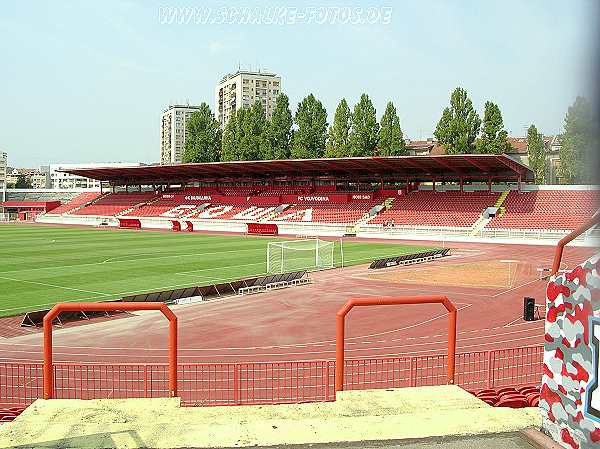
{"type": "Point", "coordinates": [250, 135]}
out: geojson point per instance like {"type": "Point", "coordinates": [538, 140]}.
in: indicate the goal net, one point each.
{"type": "Point", "coordinates": [296, 255]}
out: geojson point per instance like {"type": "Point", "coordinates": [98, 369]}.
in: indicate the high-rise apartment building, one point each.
{"type": "Point", "coordinates": [172, 132]}
{"type": "Point", "coordinates": [3, 163]}
{"type": "Point", "coordinates": [243, 89]}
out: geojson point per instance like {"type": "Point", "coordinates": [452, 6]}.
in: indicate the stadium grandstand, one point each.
{"type": "Point", "coordinates": [460, 196]}
{"type": "Point", "coordinates": [485, 350]}
{"type": "Point", "coordinates": [26, 204]}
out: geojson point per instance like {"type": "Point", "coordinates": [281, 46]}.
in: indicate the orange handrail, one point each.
{"type": "Point", "coordinates": [573, 235]}
{"type": "Point", "coordinates": [101, 307]}
{"type": "Point", "coordinates": [341, 314]}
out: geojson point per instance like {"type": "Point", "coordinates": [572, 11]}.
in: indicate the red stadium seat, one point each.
{"type": "Point", "coordinates": [512, 402]}
{"type": "Point", "coordinates": [115, 203]}
{"type": "Point", "coordinates": [429, 208]}
{"type": "Point", "coordinates": [79, 200]}
{"type": "Point", "coordinates": [546, 209]}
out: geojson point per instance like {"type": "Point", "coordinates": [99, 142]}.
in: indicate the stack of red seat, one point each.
{"type": "Point", "coordinates": [10, 413]}
{"type": "Point", "coordinates": [510, 397]}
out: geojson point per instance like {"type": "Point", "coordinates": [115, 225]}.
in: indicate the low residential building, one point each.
{"type": "Point", "coordinates": [518, 152]}
{"type": "Point", "coordinates": [428, 147]}
{"type": "Point", "coordinates": [60, 180]}
{"type": "Point", "coordinates": [173, 132]}
{"type": "Point", "coordinates": [243, 89]}
{"type": "Point", "coordinates": [36, 178]}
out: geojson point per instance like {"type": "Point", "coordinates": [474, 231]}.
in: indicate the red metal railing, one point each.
{"type": "Point", "coordinates": [570, 237]}
{"type": "Point", "coordinates": [49, 372]}
{"type": "Point", "coordinates": [388, 301]}
{"type": "Point", "coordinates": [269, 382]}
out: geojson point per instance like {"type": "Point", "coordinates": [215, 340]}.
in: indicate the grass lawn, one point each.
{"type": "Point", "coordinates": [42, 265]}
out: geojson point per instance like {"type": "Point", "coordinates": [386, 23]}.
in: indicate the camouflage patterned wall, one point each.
{"type": "Point", "coordinates": [570, 396]}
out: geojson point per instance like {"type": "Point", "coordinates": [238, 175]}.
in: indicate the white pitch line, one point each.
{"type": "Point", "coordinates": [131, 260]}
{"type": "Point", "coordinates": [514, 288]}
{"type": "Point", "coordinates": [55, 286]}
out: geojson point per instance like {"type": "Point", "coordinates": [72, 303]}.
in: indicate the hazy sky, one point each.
{"type": "Point", "coordinates": [84, 81]}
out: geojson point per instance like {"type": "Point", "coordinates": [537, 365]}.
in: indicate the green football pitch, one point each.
{"type": "Point", "coordinates": [43, 265]}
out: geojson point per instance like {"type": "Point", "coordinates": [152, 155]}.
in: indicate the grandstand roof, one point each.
{"type": "Point", "coordinates": [416, 168]}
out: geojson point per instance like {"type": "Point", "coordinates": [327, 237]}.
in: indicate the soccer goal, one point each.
{"type": "Point", "coordinates": [296, 255]}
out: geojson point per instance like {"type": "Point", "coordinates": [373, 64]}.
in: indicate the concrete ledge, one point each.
{"type": "Point", "coordinates": [356, 416]}
{"type": "Point", "coordinates": [539, 439]}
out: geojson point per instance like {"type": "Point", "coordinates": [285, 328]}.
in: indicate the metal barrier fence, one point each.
{"type": "Point", "coordinates": [254, 383]}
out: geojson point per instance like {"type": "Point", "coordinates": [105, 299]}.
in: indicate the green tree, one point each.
{"type": "Point", "coordinates": [459, 126]}
{"type": "Point", "coordinates": [23, 182]}
{"type": "Point", "coordinates": [280, 129]}
{"type": "Point", "coordinates": [255, 140]}
{"type": "Point", "coordinates": [311, 135]}
{"type": "Point", "coordinates": [338, 136]}
{"type": "Point", "coordinates": [364, 134]}
{"type": "Point", "coordinates": [579, 145]}
{"type": "Point", "coordinates": [391, 139]}
{"type": "Point", "coordinates": [232, 136]}
{"type": "Point", "coordinates": [246, 135]}
{"type": "Point", "coordinates": [203, 137]}
{"type": "Point", "coordinates": [493, 135]}
{"type": "Point", "coordinates": [537, 156]}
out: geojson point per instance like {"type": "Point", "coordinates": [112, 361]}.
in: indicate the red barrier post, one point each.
{"type": "Point", "coordinates": [572, 236]}
{"type": "Point", "coordinates": [48, 377]}
{"type": "Point", "coordinates": [356, 302]}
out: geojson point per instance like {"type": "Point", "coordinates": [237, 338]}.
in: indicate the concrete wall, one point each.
{"type": "Point", "coordinates": [570, 395]}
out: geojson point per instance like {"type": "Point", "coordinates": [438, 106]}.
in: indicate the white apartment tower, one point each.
{"type": "Point", "coordinates": [3, 163]}
{"type": "Point", "coordinates": [243, 89]}
{"type": "Point", "coordinates": [172, 132]}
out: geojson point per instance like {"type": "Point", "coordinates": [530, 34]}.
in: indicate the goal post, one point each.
{"type": "Point", "coordinates": [296, 255]}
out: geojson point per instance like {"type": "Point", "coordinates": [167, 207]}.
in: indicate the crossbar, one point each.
{"type": "Point", "coordinates": [48, 377]}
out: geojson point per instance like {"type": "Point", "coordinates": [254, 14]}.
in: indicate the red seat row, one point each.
{"type": "Point", "coordinates": [115, 203]}
{"type": "Point", "coordinates": [510, 397]}
{"type": "Point", "coordinates": [429, 208]}
{"type": "Point", "coordinates": [79, 200]}
{"type": "Point", "coordinates": [340, 213]}
{"type": "Point", "coordinates": [8, 414]}
{"type": "Point", "coordinates": [546, 209]}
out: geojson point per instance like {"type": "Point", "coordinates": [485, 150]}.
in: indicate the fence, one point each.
{"type": "Point", "coordinates": [254, 383]}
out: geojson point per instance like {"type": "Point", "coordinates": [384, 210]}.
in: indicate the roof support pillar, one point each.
{"type": "Point", "coordinates": [434, 184]}
{"type": "Point", "coordinates": [489, 184]}
{"type": "Point", "coordinates": [519, 184]}
{"type": "Point", "coordinates": [462, 183]}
